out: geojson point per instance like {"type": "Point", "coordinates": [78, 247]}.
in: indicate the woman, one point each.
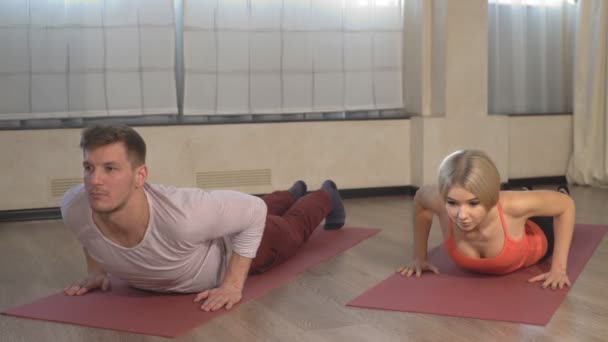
{"type": "Point", "coordinates": [491, 231]}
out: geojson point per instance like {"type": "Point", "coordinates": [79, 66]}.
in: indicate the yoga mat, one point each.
{"type": "Point", "coordinates": [456, 292]}
{"type": "Point", "coordinates": [170, 315]}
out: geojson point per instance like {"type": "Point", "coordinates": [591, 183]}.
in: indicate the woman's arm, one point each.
{"type": "Point", "coordinates": [424, 210]}
{"type": "Point", "coordinates": [561, 208]}
{"type": "Point", "coordinates": [427, 203]}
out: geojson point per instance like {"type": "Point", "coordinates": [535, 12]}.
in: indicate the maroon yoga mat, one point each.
{"type": "Point", "coordinates": [127, 309]}
{"type": "Point", "coordinates": [455, 292]}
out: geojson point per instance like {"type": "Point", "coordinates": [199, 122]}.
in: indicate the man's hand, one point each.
{"type": "Point", "coordinates": [223, 296]}
{"type": "Point", "coordinates": [554, 279]}
{"type": "Point", "coordinates": [91, 282]}
{"type": "Point", "coordinates": [231, 290]}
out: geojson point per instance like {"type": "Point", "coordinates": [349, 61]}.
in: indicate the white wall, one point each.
{"type": "Point", "coordinates": [356, 154]}
{"type": "Point", "coordinates": [539, 146]}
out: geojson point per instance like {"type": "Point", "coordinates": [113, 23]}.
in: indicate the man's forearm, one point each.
{"type": "Point", "coordinates": [92, 265]}
{"type": "Point", "coordinates": [237, 271]}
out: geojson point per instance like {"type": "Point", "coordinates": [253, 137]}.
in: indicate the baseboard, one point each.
{"type": "Point", "coordinates": [531, 182]}
{"type": "Point", "coordinates": [375, 192]}
{"type": "Point", "coordinates": [30, 214]}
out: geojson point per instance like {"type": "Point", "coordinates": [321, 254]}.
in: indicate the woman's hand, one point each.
{"type": "Point", "coordinates": [417, 267]}
{"type": "Point", "coordinates": [554, 279]}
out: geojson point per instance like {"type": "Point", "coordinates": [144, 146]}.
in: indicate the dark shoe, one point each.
{"type": "Point", "coordinates": [337, 215]}
{"type": "Point", "coordinates": [563, 189]}
{"type": "Point", "coordinates": [298, 189]}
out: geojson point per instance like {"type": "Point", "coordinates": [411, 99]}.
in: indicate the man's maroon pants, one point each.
{"type": "Point", "coordinates": [289, 224]}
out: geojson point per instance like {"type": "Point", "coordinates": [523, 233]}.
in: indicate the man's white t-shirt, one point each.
{"type": "Point", "coordinates": [188, 241]}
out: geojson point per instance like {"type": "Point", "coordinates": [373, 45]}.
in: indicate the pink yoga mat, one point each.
{"type": "Point", "coordinates": [455, 292]}
{"type": "Point", "coordinates": [127, 309]}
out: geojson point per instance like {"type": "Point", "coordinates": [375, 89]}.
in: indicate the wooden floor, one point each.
{"type": "Point", "coordinates": [39, 258]}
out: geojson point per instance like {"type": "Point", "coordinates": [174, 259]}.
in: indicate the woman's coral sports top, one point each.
{"type": "Point", "coordinates": [515, 254]}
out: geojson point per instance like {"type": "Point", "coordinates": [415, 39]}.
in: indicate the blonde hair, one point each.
{"type": "Point", "coordinates": [474, 171]}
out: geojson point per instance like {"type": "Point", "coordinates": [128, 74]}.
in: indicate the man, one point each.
{"type": "Point", "coordinates": [169, 239]}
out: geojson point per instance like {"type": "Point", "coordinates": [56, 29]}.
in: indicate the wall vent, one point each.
{"type": "Point", "coordinates": [232, 179]}
{"type": "Point", "coordinates": [60, 185]}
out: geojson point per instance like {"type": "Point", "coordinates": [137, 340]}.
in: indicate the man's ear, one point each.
{"type": "Point", "coordinates": [141, 175]}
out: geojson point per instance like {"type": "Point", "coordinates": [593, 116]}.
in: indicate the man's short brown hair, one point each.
{"type": "Point", "coordinates": [102, 135]}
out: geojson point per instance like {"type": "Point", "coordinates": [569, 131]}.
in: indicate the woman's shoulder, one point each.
{"type": "Point", "coordinates": [428, 197]}
{"type": "Point", "coordinates": [532, 203]}
{"type": "Point", "coordinates": [515, 203]}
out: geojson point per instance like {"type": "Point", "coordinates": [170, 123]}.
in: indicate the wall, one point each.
{"type": "Point", "coordinates": [539, 146]}
{"type": "Point", "coordinates": [357, 154]}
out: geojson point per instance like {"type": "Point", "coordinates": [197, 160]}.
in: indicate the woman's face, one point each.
{"type": "Point", "coordinates": [464, 208]}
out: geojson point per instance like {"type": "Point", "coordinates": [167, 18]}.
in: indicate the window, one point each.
{"type": "Point", "coordinates": [531, 49]}
{"type": "Point", "coordinates": [71, 60]}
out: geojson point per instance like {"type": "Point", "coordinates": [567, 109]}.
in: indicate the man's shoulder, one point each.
{"type": "Point", "coordinates": [201, 201]}
{"type": "Point", "coordinates": [176, 198]}
{"type": "Point", "coordinates": [73, 195]}
{"type": "Point", "coordinates": [181, 190]}
{"type": "Point", "coordinates": [173, 192]}
{"type": "Point", "coordinates": [74, 202]}
{"type": "Point", "coordinates": [185, 197]}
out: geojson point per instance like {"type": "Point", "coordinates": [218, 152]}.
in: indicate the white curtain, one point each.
{"type": "Point", "coordinates": [75, 58]}
{"type": "Point", "coordinates": [589, 160]}
{"type": "Point", "coordinates": [530, 56]}
{"type": "Point", "coordinates": [286, 56]}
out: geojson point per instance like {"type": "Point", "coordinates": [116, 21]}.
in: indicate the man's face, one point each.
{"type": "Point", "coordinates": [110, 178]}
